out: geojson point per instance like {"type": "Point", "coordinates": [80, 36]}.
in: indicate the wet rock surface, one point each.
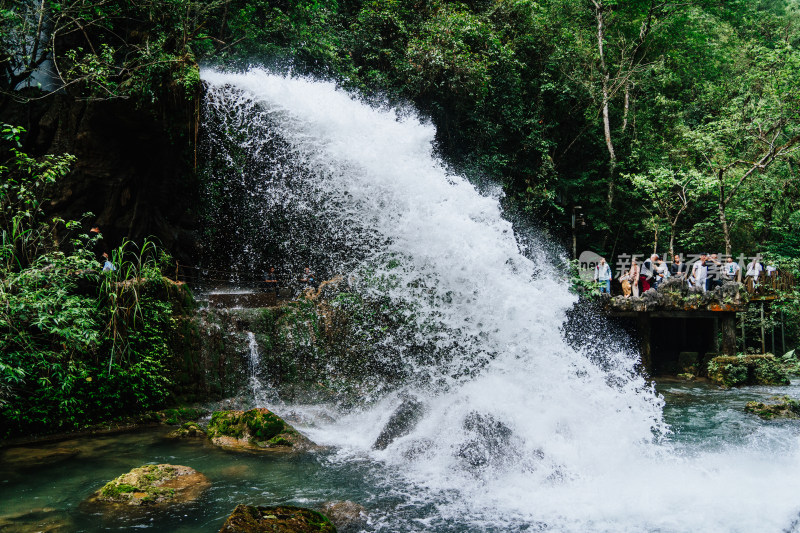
{"type": "Point", "coordinates": [784, 408]}
{"type": "Point", "coordinates": [402, 422]}
{"type": "Point", "coordinates": [730, 371]}
{"type": "Point", "coordinates": [281, 519]}
{"type": "Point", "coordinates": [490, 441]}
{"type": "Point", "coordinates": [189, 430]}
{"type": "Point", "coordinates": [42, 520]}
{"type": "Point", "coordinates": [256, 430]}
{"type": "Point", "coordinates": [345, 514]}
{"type": "Point", "coordinates": [24, 458]}
{"type": "Point", "coordinates": [151, 485]}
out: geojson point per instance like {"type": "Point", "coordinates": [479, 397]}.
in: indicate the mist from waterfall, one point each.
{"type": "Point", "coordinates": [519, 430]}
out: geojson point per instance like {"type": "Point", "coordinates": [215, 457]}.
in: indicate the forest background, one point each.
{"type": "Point", "coordinates": [673, 125]}
{"type": "Point", "coordinates": [634, 126]}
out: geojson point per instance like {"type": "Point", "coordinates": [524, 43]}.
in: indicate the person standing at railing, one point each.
{"type": "Point", "coordinates": [602, 274]}
{"type": "Point", "coordinates": [648, 272]}
{"type": "Point", "coordinates": [714, 276]}
{"type": "Point", "coordinates": [754, 269]}
{"type": "Point", "coordinates": [271, 281]}
{"type": "Point", "coordinates": [699, 273]}
{"type": "Point", "coordinates": [635, 273]}
{"type": "Point", "coordinates": [731, 269]}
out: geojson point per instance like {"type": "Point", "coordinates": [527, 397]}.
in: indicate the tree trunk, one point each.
{"type": "Point", "coordinates": [627, 106]}
{"type": "Point", "coordinates": [723, 220]}
{"type": "Point", "coordinates": [612, 156]}
{"type": "Point", "coordinates": [655, 239]}
{"type": "Point", "coordinates": [726, 232]}
{"type": "Point", "coordinates": [672, 240]}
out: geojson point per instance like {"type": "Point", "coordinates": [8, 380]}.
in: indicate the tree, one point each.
{"type": "Point", "coordinates": [759, 126]}
{"type": "Point", "coordinates": [671, 191]}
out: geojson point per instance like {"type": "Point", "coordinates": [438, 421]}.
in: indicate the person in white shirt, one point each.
{"type": "Point", "coordinates": [602, 273]}
{"type": "Point", "coordinates": [754, 268]}
{"type": "Point", "coordinates": [662, 272]}
{"type": "Point", "coordinates": [699, 273]}
{"type": "Point", "coordinates": [731, 269]}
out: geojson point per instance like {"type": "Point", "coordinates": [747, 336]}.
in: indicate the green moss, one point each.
{"type": "Point", "coordinates": [112, 489]}
{"type": "Point", "coordinates": [733, 371]}
{"type": "Point", "coordinates": [261, 428]}
{"type": "Point", "coordinates": [178, 415]}
{"type": "Point", "coordinates": [140, 484]}
{"type": "Point", "coordinates": [785, 408]}
{"type": "Point", "coordinates": [225, 423]}
{"type": "Point", "coordinates": [262, 424]}
{"type": "Point", "coordinates": [281, 518]}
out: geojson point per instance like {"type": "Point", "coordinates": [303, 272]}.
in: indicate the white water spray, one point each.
{"type": "Point", "coordinates": [255, 383]}
{"type": "Point", "coordinates": [539, 435]}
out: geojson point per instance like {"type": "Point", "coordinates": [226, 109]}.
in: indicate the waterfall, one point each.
{"type": "Point", "coordinates": [518, 429]}
{"type": "Point", "coordinates": [255, 383]}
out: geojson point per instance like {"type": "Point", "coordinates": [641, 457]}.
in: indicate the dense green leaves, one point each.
{"type": "Point", "coordinates": [77, 345]}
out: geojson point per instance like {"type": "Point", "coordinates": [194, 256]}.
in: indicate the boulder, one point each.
{"type": "Point", "coordinates": [785, 408]}
{"type": "Point", "coordinates": [256, 430]}
{"type": "Point", "coordinates": [490, 442]}
{"type": "Point", "coordinates": [189, 430]}
{"type": "Point", "coordinates": [344, 513]}
{"type": "Point", "coordinates": [281, 519]}
{"type": "Point", "coordinates": [401, 423]}
{"type": "Point", "coordinates": [732, 371]}
{"type": "Point", "coordinates": [151, 485]}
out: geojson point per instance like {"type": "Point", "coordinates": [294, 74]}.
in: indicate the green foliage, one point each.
{"type": "Point", "coordinates": [580, 286]}
{"type": "Point", "coordinates": [786, 408]}
{"type": "Point", "coordinates": [761, 369]}
{"type": "Point", "coordinates": [78, 345]}
{"type": "Point", "coordinates": [260, 424]}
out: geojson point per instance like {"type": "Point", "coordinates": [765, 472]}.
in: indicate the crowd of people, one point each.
{"type": "Point", "coordinates": [705, 272]}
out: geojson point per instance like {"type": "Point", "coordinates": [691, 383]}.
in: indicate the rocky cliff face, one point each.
{"type": "Point", "coordinates": [135, 164]}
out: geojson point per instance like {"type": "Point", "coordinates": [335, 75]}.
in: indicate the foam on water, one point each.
{"type": "Point", "coordinates": [540, 435]}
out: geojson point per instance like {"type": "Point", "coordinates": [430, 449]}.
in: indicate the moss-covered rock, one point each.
{"type": "Point", "coordinates": [282, 519]}
{"type": "Point", "coordinates": [255, 430]}
{"type": "Point", "coordinates": [188, 430]}
{"type": "Point", "coordinates": [732, 371]}
{"type": "Point", "coordinates": [785, 408]}
{"type": "Point", "coordinates": [152, 485]}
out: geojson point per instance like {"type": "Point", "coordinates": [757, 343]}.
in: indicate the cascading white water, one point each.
{"type": "Point", "coordinates": [255, 383]}
{"type": "Point", "coordinates": [539, 435]}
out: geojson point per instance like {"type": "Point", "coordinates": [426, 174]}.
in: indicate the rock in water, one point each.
{"type": "Point", "coordinates": [24, 457]}
{"type": "Point", "coordinates": [401, 423]}
{"type": "Point", "coordinates": [282, 519]}
{"type": "Point", "coordinates": [148, 485]}
{"type": "Point", "coordinates": [188, 430]}
{"type": "Point", "coordinates": [41, 520]}
{"type": "Point", "coordinates": [344, 513]}
{"type": "Point", "coordinates": [490, 442]}
{"type": "Point", "coordinates": [256, 430]}
{"type": "Point", "coordinates": [785, 408]}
